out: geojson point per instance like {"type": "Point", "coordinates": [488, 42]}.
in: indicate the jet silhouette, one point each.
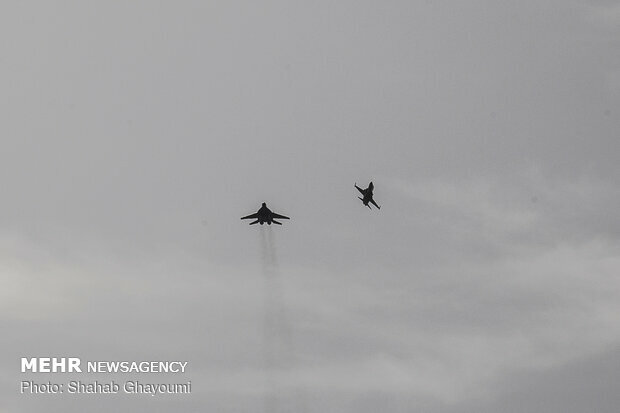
{"type": "Point", "coordinates": [263, 215]}
{"type": "Point", "coordinates": [367, 195]}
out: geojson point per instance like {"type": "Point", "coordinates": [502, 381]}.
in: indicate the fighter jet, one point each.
{"type": "Point", "coordinates": [367, 195]}
{"type": "Point", "coordinates": [263, 215]}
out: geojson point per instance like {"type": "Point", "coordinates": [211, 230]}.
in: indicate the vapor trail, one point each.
{"type": "Point", "coordinates": [270, 336]}
{"type": "Point", "coordinates": [278, 347]}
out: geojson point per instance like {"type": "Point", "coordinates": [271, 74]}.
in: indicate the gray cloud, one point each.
{"type": "Point", "coordinates": [136, 135]}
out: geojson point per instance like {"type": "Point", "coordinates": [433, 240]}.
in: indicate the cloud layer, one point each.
{"type": "Point", "coordinates": [136, 135]}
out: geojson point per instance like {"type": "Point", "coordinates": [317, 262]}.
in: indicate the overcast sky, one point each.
{"type": "Point", "coordinates": [135, 134]}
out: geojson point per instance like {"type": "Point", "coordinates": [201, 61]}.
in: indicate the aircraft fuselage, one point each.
{"type": "Point", "coordinates": [264, 215]}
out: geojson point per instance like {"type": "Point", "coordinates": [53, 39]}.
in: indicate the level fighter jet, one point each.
{"type": "Point", "coordinates": [263, 215]}
{"type": "Point", "coordinates": [367, 195]}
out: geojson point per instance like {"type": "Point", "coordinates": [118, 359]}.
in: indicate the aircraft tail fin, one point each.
{"type": "Point", "coordinates": [254, 222]}
{"type": "Point", "coordinates": [276, 222]}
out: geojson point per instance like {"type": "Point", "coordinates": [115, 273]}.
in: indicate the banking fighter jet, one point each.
{"type": "Point", "coordinates": [367, 195]}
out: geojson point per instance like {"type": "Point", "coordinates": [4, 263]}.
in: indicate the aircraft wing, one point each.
{"type": "Point", "coordinates": [278, 216]}
{"type": "Point", "coordinates": [374, 203]}
{"type": "Point", "coordinates": [253, 216]}
{"type": "Point", "coordinates": [361, 190]}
